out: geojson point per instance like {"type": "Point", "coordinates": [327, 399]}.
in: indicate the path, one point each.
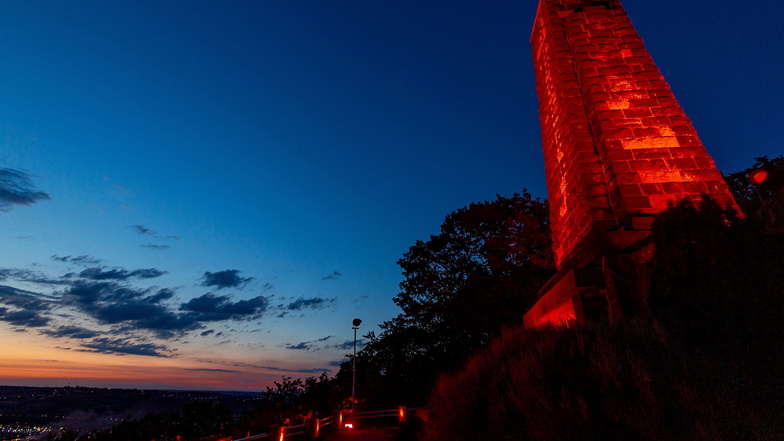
{"type": "Point", "coordinates": [366, 434]}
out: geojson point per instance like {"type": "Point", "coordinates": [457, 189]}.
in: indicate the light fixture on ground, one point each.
{"type": "Point", "coordinates": [356, 324]}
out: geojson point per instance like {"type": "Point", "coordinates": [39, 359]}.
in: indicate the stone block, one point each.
{"type": "Point", "coordinates": [689, 152]}
{"type": "Point", "coordinates": [648, 164]}
{"type": "Point", "coordinates": [704, 162]}
{"type": "Point", "coordinates": [595, 189]}
{"type": "Point", "coordinates": [627, 178]}
{"type": "Point", "coordinates": [672, 187]}
{"type": "Point", "coordinates": [682, 163]}
{"type": "Point", "coordinates": [656, 121]}
{"type": "Point", "coordinates": [619, 155]}
{"type": "Point", "coordinates": [694, 187]}
{"type": "Point", "coordinates": [630, 190]}
{"type": "Point", "coordinates": [680, 120]}
{"type": "Point", "coordinates": [651, 189]}
{"type": "Point", "coordinates": [642, 112]}
{"type": "Point", "coordinates": [688, 141]}
{"type": "Point", "coordinates": [634, 203]}
{"type": "Point", "coordinates": [652, 153]}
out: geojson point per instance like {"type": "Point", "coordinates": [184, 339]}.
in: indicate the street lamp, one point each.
{"type": "Point", "coordinates": [356, 323]}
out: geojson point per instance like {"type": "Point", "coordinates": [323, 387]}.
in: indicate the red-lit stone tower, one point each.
{"type": "Point", "coordinates": [618, 149]}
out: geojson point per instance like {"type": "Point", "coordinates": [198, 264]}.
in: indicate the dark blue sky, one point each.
{"type": "Point", "coordinates": [293, 150]}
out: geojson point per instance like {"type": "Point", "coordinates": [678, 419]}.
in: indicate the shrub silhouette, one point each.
{"type": "Point", "coordinates": [705, 365]}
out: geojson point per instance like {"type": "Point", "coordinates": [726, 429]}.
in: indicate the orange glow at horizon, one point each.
{"type": "Point", "coordinates": [28, 359]}
{"type": "Point", "coordinates": [39, 366]}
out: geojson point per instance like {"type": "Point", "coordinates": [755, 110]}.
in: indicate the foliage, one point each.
{"type": "Point", "coordinates": [705, 365]}
{"type": "Point", "coordinates": [716, 285]}
{"type": "Point", "coordinates": [291, 400]}
{"type": "Point", "coordinates": [625, 381]}
{"type": "Point", "coordinates": [198, 419]}
{"type": "Point", "coordinates": [461, 287]}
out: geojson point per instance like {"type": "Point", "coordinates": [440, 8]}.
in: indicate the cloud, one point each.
{"type": "Point", "coordinates": [299, 346]}
{"type": "Point", "coordinates": [143, 231]}
{"type": "Point", "coordinates": [105, 312]}
{"type": "Point", "coordinates": [22, 275]}
{"type": "Point", "coordinates": [155, 247]}
{"type": "Point", "coordinates": [28, 308]}
{"type": "Point", "coordinates": [212, 370]}
{"type": "Point", "coordinates": [113, 303]}
{"type": "Point", "coordinates": [24, 299]}
{"type": "Point", "coordinates": [124, 346]}
{"type": "Point", "coordinates": [120, 274]}
{"type": "Point", "coordinates": [348, 344]}
{"type": "Point", "coordinates": [16, 188]}
{"type": "Point", "coordinates": [79, 260]}
{"type": "Point", "coordinates": [25, 318]}
{"type": "Point", "coordinates": [334, 276]}
{"type": "Point", "coordinates": [211, 307]}
{"type": "Point", "coordinates": [278, 369]}
{"type": "Point", "coordinates": [225, 279]}
{"type": "Point", "coordinates": [311, 303]}
{"type": "Point", "coordinates": [307, 345]}
{"type": "Point", "coordinates": [71, 332]}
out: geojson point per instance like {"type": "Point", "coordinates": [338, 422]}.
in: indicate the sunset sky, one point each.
{"type": "Point", "coordinates": [204, 194]}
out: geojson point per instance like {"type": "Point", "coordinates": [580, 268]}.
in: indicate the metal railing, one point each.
{"type": "Point", "coordinates": [312, 427]}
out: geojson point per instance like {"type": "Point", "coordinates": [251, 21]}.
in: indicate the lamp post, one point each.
{"type": "Point", "coordinates": [356, 324]}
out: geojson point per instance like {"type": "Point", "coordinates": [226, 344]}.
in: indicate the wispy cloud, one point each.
{"type": "Point", "coordinates": [312, 345]}
{"type": "Point", "coordinates": [280, 369]}
{"type": "Point", "coordinates": [334, 276]}
{"type": "Point", "coordinates": [225, 279]}
{"type": "Point", "coordinates": [155, 247]}
{"type": "Point", "coordinates": [348, 344]}
{"type": "Point", "coordinates": [125, 346]}
{"type": "Point", "coordinates": [27, 309]}
{"type": "Point", "coordinates": [212, 370]}
{"type": "Point", "coordinates": [311, 303]}
{"type": "Point", "coordinates": [120, 273]}
{"type": "Point", "coordinates": [141, 229]}
{"type": "Point", "coordinates": [211, 307]}
{"type": "Point", "coordinates": [24, 275]}
{"type": "Point", "coordinates": [103, 310]}
{"type": "Point", "coordinates": [24, 318]}
{"type": "Point", "coordinates": [79, 260]}
{"type": "Point", "coordinates": [76, 332]}
{"type": "Point", "coordinates": [16, 188]}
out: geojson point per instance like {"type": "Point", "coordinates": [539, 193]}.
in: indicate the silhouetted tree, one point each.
{"type": "Point", "coordinates": [461, 287]}
{"type": "Point", "coordinates": [705, 365]}
{"type": "Point", "coordinates": [293, 400]}
{"type": "Point", "coordinates": [199, 419]}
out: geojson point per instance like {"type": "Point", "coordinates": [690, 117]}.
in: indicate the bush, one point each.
{"type": "Point", "coordinates": [706, 365]}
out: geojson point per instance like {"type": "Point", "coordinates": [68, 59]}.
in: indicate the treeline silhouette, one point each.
{"type": "Point", "coordinates": [702, 360]}
{"type": "Point", "coordinates": [289, 401]}
{"type": "Point", "coordinates": [705, 363]}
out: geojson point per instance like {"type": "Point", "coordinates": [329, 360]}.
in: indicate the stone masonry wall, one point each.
{"type": "Point", "coordinates": [618, 148]}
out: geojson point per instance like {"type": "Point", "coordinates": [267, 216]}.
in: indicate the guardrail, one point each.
{"type": "Point", "coordinates": [343, 420]}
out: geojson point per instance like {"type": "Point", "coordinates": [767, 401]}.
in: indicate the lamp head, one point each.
{"type": "Point", "coordinates": [357, 322]}
{"type": "Point", "coordinates": [767, 178]}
